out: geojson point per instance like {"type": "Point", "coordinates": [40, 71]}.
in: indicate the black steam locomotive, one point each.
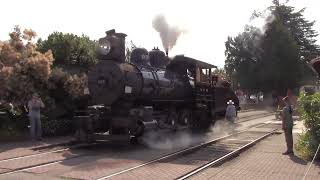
{"type": "Point", "coordinates": [151, 92]}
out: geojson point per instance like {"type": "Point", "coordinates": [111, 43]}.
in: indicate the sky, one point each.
{"type": "Point", "coordinates": [206, 23]}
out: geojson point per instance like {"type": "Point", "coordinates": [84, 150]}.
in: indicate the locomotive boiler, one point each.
{"type": "Point", "coordinates": [150, 92]}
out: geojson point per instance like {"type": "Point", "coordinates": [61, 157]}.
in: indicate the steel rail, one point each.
{"type": "Point", "coordinates": [38, 165]}
{"type": "Point", "coordinates": [43, 164]}
{"type": "Point", "coordinates": [255, 116]}
{"type": "Point", "coordinates": [121, 172]}
{"type": "Point", "coordinates": [47, 152]}
{"type": "Point", "coordinates": [177, 153]}
{"type": "Point", "coordinates": [223, 158]}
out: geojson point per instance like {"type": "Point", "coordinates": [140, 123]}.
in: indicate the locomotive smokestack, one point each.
{"type": "Point", "coordinates": [110, 32]}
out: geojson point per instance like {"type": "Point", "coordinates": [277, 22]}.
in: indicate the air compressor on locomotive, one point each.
{"type": "Point", "coordinates": [151, 92]}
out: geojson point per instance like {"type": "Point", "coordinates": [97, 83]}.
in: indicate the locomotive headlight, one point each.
{"type": "Point", "coordinates": [105, 47]}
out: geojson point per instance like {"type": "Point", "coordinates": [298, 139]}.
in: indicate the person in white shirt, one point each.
{"type": "Point", "coordinates": [231, 111]}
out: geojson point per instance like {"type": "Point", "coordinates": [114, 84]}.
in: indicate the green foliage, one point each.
{"type": "Point", "coordinates": [56, 127]}
{"type": "Point", "coordinates": [12, 123]}
{"type": "Point", "coordinates": [243, 53]}
{"type": "Point", "coordinates": [275, 57]}
{"type": "Point", "coordinates": [301, 29]}
{"type": "Point", "coordinates": [279, 66]}
{"type": "Point", "coordinates": [70, 50]}
{"type": "Point", "coordinates": [309, 109]}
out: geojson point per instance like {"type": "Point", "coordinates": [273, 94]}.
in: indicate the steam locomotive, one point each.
{"type": "Point", "coordinates": [151, 92]}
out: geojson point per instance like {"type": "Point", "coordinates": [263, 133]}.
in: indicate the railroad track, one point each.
{"type": "Point", "coordinates": [37, 149]}
{"type": "Point", "coordinates": [41, 158]}
{"type": "Point", "coordinates": [60, 148]}
{"type": "Point", "coordinates": [224, 158]}
{"type": "Point", "coordinates": [187, 162]}
{"type": "Point", "coordinates": [65, 146]}
{"type": "Point", "coordinates": [255, 116]}
{"type": "Point", "coordinates": [65, 150]}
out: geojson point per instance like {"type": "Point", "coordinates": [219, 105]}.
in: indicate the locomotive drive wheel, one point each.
{"type": "Point", "coordinates": [172, 120]}
{"type": "Point", "coordinates": [185, 117]}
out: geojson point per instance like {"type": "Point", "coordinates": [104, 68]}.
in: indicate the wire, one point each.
{"type": "Point", "coordinates": [314, 157]}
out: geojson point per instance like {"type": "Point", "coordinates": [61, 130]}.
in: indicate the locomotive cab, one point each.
{"type": "Point", "coordinates": [199, 76]}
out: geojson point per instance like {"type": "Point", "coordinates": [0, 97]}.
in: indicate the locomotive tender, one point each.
{"type": "Point", "coordinates": [149, 92]}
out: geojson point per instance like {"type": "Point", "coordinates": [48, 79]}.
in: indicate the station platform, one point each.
{"type": "Point", "coordinates": [265, 161]}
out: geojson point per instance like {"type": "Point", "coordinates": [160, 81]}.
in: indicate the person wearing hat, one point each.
{"type": "Point", "coordinates": [231, 111]}
{"type": "Point", "coordinates": [287, 124]}
{"type": "Point", "coordinates": [34, 106]}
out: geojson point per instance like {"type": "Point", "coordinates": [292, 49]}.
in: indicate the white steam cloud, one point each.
{"type": "Point", "coordinates": [261, 20]}
{"type": "Point", "coordinates": [183, 139]}
{"type": "Point", "coordinates": [169, 35]}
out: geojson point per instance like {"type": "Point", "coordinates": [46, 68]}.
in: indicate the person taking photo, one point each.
{"type": "Point", "coordinates": [34, 106]}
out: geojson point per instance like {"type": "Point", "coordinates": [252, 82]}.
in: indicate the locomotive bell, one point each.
{"type": "Point", "coordinates": [112, 47]}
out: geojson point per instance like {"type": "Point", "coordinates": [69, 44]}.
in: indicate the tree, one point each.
{"type": "Point", "coordinates": [301, 29]}
{"type": "Point", "coordinates": [70, 50]}
{"type": "Point", "coordinates": [242, 54]}
{"type": "Point", "coordinates": [277, 58]}
{"type": "Point", "coordinates": [280, 65]}
{"type": "Point", "coordinates": [23, 69]}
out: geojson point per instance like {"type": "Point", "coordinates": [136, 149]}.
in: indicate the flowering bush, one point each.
{"type": "Point", "coordinates": [23, 69]}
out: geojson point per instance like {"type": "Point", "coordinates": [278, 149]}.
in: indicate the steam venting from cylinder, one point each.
{"type": "Point", "coordinates": [169, 35]}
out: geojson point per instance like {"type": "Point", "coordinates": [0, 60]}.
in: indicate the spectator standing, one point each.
{"type": "Point", "coordinates": [231, 111]}
{"type": "Point", "coordinates": [34, 106]}
{"type": "Point", "coordinates": [287, 124]}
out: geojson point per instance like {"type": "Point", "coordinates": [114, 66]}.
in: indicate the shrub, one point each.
{"type": "Point", "coordinates": [12, 123]}
{"type": "Point", "coordinates": [56, 127]}
{"type": "Point", "coordinates": [26, 68]}
{"type": "Point", "coordinates": [309, 108]}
